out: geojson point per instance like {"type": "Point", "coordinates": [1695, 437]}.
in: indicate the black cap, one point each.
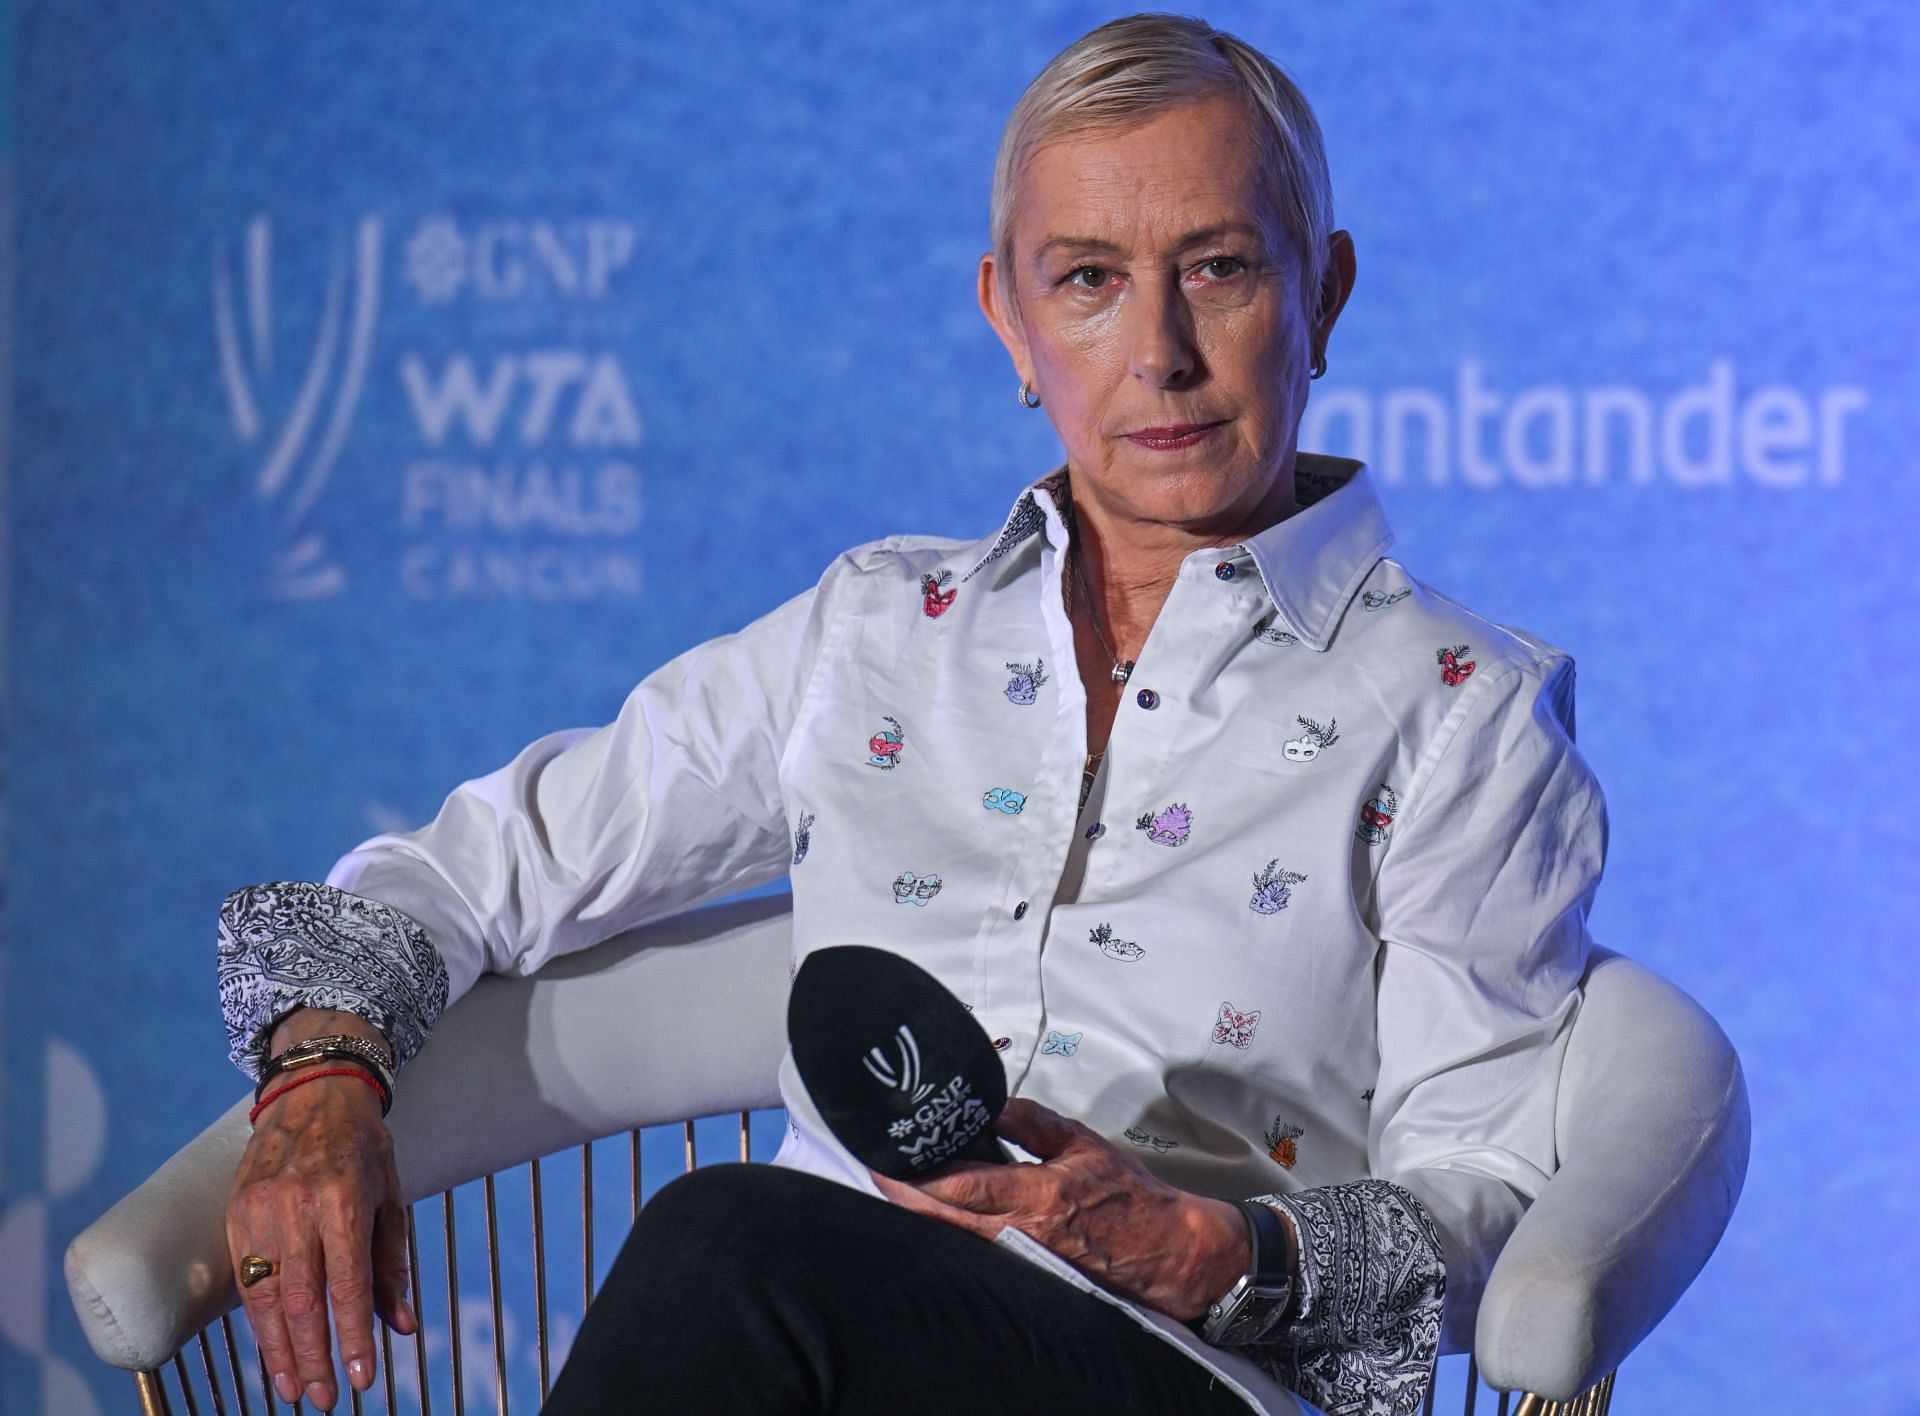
{"type": "Point", "coordinates": [897, 1067]}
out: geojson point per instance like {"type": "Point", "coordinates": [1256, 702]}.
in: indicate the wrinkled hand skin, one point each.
{"type": "Point", "coordinates": [1097, 1208]}
{"type": "Point", "coordinates": [317, 1189]}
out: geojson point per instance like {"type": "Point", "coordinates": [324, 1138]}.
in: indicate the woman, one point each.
{"type": "Point", "coordinates": [1265, 865]}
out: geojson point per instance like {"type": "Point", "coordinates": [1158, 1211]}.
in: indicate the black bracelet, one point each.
{"type": "Point", "coordinates": [1273, 1258]}
{"type": "Point", "coordinates": [273, 1073]}
{"type": "Point", "coordinates": [310, 1053]}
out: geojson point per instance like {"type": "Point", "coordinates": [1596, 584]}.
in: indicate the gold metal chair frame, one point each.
{"type": "Point", "coordinates": [226, 1392]}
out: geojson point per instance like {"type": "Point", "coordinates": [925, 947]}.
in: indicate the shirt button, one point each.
{"type": "Point", "coordinates": [1147, 699]}
{"type": "Point", "coordinates": [1020, 910]}
{"type": "Point", "coordinates": [1225, 570]}
{"type": "Point", "coordinates": [1096, 831]}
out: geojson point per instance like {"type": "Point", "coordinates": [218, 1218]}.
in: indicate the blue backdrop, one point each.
{"type": "Point", "coordinates": [390, 388]}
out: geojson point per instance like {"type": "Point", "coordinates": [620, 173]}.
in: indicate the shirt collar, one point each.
{"type": "Point", "coordinates": [1036, 508]}
{"type": "Point", "coordinates": [1311, 564]}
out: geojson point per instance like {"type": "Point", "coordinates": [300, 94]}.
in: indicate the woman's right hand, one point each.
{"type": "Point", "coordinates": [317, 1190]}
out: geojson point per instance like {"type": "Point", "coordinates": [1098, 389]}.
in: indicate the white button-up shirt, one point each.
{"type": "Point", "coordinates": [1321, 916]}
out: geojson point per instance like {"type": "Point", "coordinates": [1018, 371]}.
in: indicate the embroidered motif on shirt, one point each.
{"type": "Point", "coordinates": [1380, 599]}
{"type": "Point", "coordinates": [802, 836]}
{"type": "Point", "coordinates": [1273, 888]}
{"type": "Point", "coordinates": [1061, 1044]}
{"type": "Point", "coordinates": [1125, 950]}
{"type": "Point", "coordinates": [1024, 687]}
{"type": "Point", "coordinates": [1376, 817]}
{"type": "Point", "coordinates": [933, 603]}
{"type": "Point", "coordinates": [885, 745]}
{"type": "Point", "coordinates": [1307, 746]}
{"type": "Point", "coordinates": [1266, 633]}
{"type": "Point", "coordinates": [1453, 672]}
{"type": "Point", "coordinates": [1141, 1138]}
{"type": "Point", "coordinates": [1235, 1028]}
{"type": "Point", "coordinates": [1004, 799]}
{"type": "Point", "coordinates": [1170, 828]}
{"type": "Point", "coordinates": [1280, 1140]}
{"type": "Point", "coordinates": [911, 889]}
{"type": "Point", "coordinates": [1001, 1044]}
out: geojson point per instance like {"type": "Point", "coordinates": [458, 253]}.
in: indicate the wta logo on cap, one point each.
{"type": "Point", "coordinates": [941, 1125]}
{"type": "Point", "coordinates": [846, 995]}
{"type": "Point", "coordinates": [902, 1077]}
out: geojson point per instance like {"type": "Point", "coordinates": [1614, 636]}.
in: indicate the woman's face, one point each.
{"type": "Point", "coordinates": [1156, 309]}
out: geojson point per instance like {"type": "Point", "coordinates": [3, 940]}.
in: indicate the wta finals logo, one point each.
{"type": "Point", "coordinates": [501, 463]}
{"type": "Point", "coordinates": [292, 459]}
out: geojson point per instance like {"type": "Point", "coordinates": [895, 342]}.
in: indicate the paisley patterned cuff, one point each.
{"type": "Point", "coordinates": [1366, 1325]}
{"type": "Point", "coordinates": [293, 943]}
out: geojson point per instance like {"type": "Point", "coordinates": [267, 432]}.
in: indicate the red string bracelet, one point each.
{"type": "Point", "coordinates": [301, 1081]}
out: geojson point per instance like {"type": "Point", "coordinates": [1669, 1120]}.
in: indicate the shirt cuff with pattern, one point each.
{"type": "Point", "coordinates": [298, 944]}
{"type": "Point", "coordinates": [1365, 1329]}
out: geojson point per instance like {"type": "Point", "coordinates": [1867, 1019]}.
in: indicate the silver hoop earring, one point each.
{"type": "Point", "coordinates": [1319, 363]}
{"type": "Point", "coordinates": [1028, 397]}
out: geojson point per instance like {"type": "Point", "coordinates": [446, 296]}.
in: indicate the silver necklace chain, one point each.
{"type": "Point", "coordinates": [1121, 672]}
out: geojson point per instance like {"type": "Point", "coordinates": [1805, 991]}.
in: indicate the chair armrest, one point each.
{"type": "Point", "coordinates": [153, 1270]}
{"type": "Point", "coordinates": [1653, 1131]}
{"type": "Point", "coordinates": [683, 1018]}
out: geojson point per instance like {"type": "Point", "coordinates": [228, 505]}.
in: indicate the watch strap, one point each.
{"type": "Point", "coordinates": [1261, 1298]}
{"type": "Point", "coordinates": [1272, 1246]}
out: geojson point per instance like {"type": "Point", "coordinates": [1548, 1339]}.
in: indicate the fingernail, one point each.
{"type": "Point", "coordinates": [360, 1373]}
{"type": "Point", "coordinates": [319, 1395]}
{"type": "Point", "coordinates": [285, 1387]}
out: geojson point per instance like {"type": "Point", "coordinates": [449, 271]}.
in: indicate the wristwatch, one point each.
{"type": "Point", "coordinates": [1260, 1297]}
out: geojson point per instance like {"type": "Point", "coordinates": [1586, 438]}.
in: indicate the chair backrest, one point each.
{"type": "Point", "coordinates": [686, 1017]}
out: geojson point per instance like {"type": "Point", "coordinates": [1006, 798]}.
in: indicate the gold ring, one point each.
{"type": "Point", "coordinates": [253, 1268]}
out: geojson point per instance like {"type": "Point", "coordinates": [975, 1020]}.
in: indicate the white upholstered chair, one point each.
{"type": "Point", "coordinates": [685, 1019]}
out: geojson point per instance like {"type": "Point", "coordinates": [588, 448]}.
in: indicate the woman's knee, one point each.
{"type": "Point", "coordinates": [723, 1217]}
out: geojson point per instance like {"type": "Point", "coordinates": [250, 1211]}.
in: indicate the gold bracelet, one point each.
{"type": "Point", "coordinates": [340, 1046]}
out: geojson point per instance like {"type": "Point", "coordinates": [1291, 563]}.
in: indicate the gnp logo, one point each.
{"type": "Point", "coordinates": [508, 260]}
{"type": "Point", "coordinates": [513, 476]}
{"type": "Point", "coordinates": [319, 398]}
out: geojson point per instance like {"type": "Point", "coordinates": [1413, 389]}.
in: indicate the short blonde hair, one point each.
{"type": "Point", "coordinates": [1131, 69]}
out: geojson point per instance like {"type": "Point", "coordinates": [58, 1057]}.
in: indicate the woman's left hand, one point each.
{"type": "Point", "coordinates": [1096, 1207]}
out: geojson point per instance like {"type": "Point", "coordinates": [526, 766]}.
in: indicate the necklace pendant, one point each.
{"type": "Point", "coordinates": [1121, 672]}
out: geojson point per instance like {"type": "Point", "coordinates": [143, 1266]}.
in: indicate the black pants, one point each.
{"type": "Point", "coordinates": [754, 1288]}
